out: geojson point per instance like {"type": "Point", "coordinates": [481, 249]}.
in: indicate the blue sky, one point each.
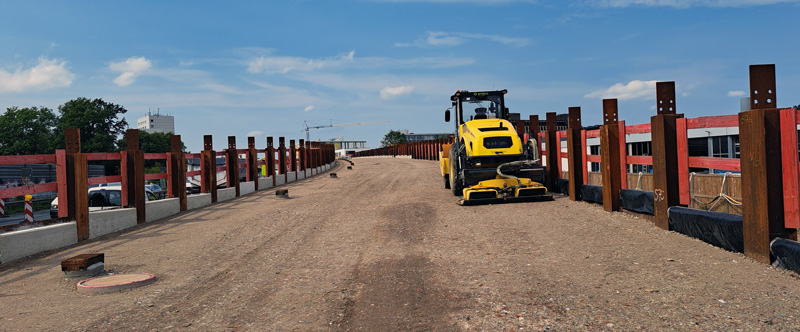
{"type": "Point", "coordinates": [262, 68]}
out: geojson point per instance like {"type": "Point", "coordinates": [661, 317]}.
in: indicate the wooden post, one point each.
{"type": "Point", "coordinates": [318, 155]}
{"type": "Point", "coordinates": [270, 162]}
{"type": "Point", "coordinates": [309, 163]}
{"type": "Point", "coordinates": [232, 158]}
{"type": "Point", "coordinates": [575, 156]}
{"type": "Point", "coordinates": [760, 149]}
{"type": "Point", "coordinates": [533, 128]}
{"type": "Point", "coordinates": [133, 182]}
{"type": "Point", "coordinates": [791, 173]}
{"type": "Point", "coordinates": [584, 154]}
{"type": "Point", "coordinates": [177, 184]}
{"type": "Point", "coordinates": [293, 155]}
{"type": "Point", "coordinates": [282, 157]}
{"type": "Point", "coordinates": [302, 153]}
{"type": "Point", "coordinates": [609, 148]}
{"type": "Point", "coordinates": [553, 172]}
{"type": "Point", "coordinates": [683, 159]}
{"type": "Point", "coordinates": [252, 162]}
{"type": "Point", "coordinates": [208, 168]}
{"type": "Point", "coordinates": [664, 133]}
{"type": "Point", "coordinates": [77, 181]}
{"type": "Point", "coordinates": [558, 153]}
{"type": "Point", "coordinates": [623, 155]}
{"type": "Point", "coordinates": [521, 130]}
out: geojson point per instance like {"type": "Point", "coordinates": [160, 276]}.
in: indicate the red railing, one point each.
{"type": "Point", "coordinates": [790, 119]}
{"type": "Point", "coordinates": [27, 189]}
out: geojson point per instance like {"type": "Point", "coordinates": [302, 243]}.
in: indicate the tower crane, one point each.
{"type": "Point", "coordinates": [336, 125]}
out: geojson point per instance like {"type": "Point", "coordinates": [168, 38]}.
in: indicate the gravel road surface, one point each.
{"type": "Point", "coordinates": [386, 248]}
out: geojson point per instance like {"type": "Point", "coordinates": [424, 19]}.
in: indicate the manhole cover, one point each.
{"type": "Point", "coordinates": [115, 283]}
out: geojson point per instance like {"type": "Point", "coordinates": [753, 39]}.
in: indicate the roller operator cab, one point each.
{"type": "Point", "coordinates": [488, 162]}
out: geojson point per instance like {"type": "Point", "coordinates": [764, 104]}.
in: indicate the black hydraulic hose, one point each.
{"type": "Point", "coordinates": [514, 163]}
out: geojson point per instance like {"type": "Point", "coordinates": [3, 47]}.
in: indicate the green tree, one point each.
{"type": "Point", "coordinates": [99, 122]}
{"type": "Point", "coordinates": [150, 142]}
{"type": "Point", "coordinates": [393, 137]}
{"type": "Point", "coordinates": [28, 130]}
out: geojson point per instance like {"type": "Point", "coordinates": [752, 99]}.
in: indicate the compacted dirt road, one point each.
{"type": "Point", "coordinates": [386, 248]}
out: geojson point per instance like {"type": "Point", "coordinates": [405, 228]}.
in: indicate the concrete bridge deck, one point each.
{"type": "Point", "coordinates": [385, 248]}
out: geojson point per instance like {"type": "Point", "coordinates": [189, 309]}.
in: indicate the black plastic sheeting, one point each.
{"type": "Point", "coordinates": [723, 230]}
{"type": "Point", "coordinates": [591, 193]}
{"type": "Point", "coordinates": [637, 200]}
{"type": "Point", "coordinates": [787, 253]}
{"type": "Point", "coordinates": [562, 186]}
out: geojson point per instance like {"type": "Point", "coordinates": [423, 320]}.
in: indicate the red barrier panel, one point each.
{"type": "Point", "coordinates": [27, 159]}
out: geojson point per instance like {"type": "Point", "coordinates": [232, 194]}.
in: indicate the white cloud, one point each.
{"type": "Point", "coordinates": [438, 38]}
{"type": "Point", "coordinates": [442, 38]}
{"type": "Point", "coordinates": [125, 79]}
{"type": "Point", "coordinates": [394, 92]}
{"type": "Point", "coordinates": [255, 133]}
{"type": "Point", "coordinates": [47, 74]}
{"type": "Point", "coordinates": [285, 64]}
{"type": "Point", "coordinates": [633, 90]}
{"type": "Point", "coordinates": [308, 108]}
{"type": "Point", "coordinates": [129, 69]}
{"type": "Point", "coordinates": [687, 3]}
{"type": "Point", "coordinates": [735, 93]}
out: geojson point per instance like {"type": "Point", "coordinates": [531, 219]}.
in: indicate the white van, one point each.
{"type": "Point", "coordinates": [101, 198]}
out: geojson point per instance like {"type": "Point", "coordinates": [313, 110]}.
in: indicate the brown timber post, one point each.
{"type": "Point", "coordinates": [232, 156]}
{"type": "Point", "coordinates": [293, 156]}
{"type": "Point", "coordinates": [177, 184]}
{"type": "Point", "coordinates": [270, 160]}
{"type": "Point", "coordinates": [309, 159]}
{"type": "Point", "coordinates": [77, 180]}
{"type": "Point", "coordinates": [609, 148]}
{"type": "Point", "coordinates": [533, 128]}
{"type": "Point", "coordinates": [302, 153]}
{"type": "Point", "coordinates": [134, 180]}
{"type": "Point", "coordinates": [762, 173]}
{"type": "Point", "coordinates": [521, 130]}
{"type": "Point", "coordinates": [282, 157]}
{"type": "Point", "coordinates": [664, 133]}
{"type": "Point", "coordinates": [318, 155]}
{"type": "Point", "coordinates": [553, 154]}
{"type": "Point", "coordinates": [208, 168]}
{"type": "Point", "coordinates": [574, 153]}
{"type": "Point", "coordinates": [252, 162]}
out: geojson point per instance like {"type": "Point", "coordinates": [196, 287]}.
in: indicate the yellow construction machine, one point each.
{"type": "Point", "coordinates": [488, 163]}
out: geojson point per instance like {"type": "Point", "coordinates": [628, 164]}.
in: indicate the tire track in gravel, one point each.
{"type": "Point", "coordinates": [399, 291]}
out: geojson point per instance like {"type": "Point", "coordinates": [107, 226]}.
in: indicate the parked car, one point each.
{"type": "Point", "coordinates": [157, 190]}
{"type": "Point", "coordinates": [102, 198]}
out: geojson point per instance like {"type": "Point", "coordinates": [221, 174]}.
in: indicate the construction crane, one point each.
{"type": "Point", "coordinates": [336, 125]}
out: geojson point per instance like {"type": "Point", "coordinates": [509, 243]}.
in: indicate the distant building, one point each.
{"type": "Point", "coordinates": [412, 137]}
{"type": "Point", "coordinates": [344, 148]}
{"type": "Point", "coordinates": [156, 123]}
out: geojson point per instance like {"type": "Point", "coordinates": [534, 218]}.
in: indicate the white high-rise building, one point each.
{"type": "Point", "coordinates": [156, 123]}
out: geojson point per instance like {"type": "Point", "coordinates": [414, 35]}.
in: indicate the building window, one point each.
{"type": "Point", "coordinates": [720, 147]}
{"type": "Point", "coordinates": [594, 150]}
{"type": "Point", "coordinates": [698, 147]}
{"type": "Point", "coordinates": [640, 149]}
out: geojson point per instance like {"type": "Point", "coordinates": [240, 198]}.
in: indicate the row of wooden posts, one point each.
{"type": "Point", "coordinates": [763, 159]}
{"type": "Point", "coordinates": [73, 181]}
